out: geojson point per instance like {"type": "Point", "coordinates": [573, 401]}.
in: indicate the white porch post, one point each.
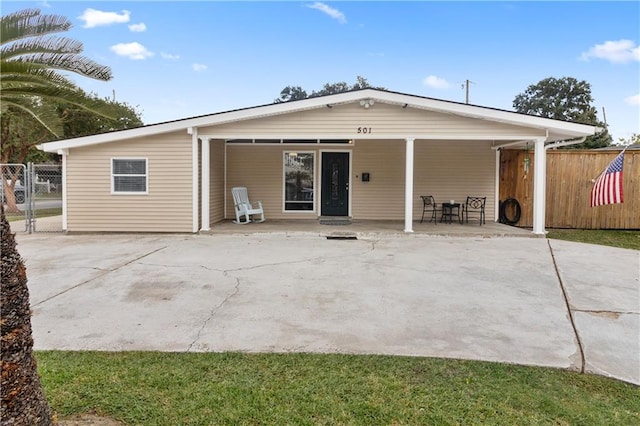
{"type": "Point", "coordinates": [65, 154]}
{"type": "Point", "coordinates": [539, 186]}
{"type": "Point", "coordinates": [496, 204]}
{"type": "Point", "coordinates": [408, 187]}
{"type": "Point", "coordinates": [193, 131]}
{"type": "Point", "coordinates": [204, 212]}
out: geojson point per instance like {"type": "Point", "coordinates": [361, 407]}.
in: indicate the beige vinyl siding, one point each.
{"type": "Point", "coordinates": [383, 119]}
{"type": "Point", "coordinates": [166, 208]}
{"type": "Point", "coordinates": [216, 185]}
{"type": "Point", "coordinates": [453, 170]}
{"type": "Point", "coordinates": [383, 196]}
{"type": "Point", "coordinates": [445, 169]}
{"type": "Point", "coordinates": [260, 169]}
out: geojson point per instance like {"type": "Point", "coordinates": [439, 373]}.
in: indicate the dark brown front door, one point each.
{"type": "Point", "coordinates": [335, 184]}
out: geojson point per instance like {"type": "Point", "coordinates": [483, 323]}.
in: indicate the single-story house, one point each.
{"type": "Point", "coordinates": [363, 154]}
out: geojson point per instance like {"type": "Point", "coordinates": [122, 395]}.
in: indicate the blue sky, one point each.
{"type": "Point", "coordinates": [174, 59]}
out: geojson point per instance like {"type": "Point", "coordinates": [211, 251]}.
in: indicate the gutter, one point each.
{"type": "Point", "coordinates": [565, 143]}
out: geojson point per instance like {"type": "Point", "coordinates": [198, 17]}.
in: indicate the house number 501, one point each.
{"type": "Point", "coordinates": [364, 129]}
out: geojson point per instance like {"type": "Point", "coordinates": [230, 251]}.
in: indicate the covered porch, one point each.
{"type": "Point", "coordinates": [371, 229]}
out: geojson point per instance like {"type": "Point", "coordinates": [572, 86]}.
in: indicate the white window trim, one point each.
{"type": "Point", "coordinates": [284, 182]}
{"type": "Point", "coordinates": [146, 177]}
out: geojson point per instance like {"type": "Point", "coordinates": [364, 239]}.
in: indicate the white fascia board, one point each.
{"type": "Point", "coordinates": [486, 113]}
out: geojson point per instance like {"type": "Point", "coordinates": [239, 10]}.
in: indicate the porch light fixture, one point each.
{"type": "Point", "coordinates": [366, 103]}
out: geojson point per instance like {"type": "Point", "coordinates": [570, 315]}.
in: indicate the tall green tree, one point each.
{"type": "Point", "coordinates": [564, 99]}
{"type": "Point", "coordinates": [77, 121]}
{"type": "Point", "coordinates": [32, 60]}
{"type": "Point", "coordinates": [295, 93]}
{"type": "Point", "coordinates": [634, 139]}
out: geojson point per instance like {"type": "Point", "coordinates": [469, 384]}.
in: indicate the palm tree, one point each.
{"type": "Point", "coordinates": [32, 59]}
{"type": "Point", "coordinates": [23, 400]}
{"type": "Point", "coordinates": [31, 62]}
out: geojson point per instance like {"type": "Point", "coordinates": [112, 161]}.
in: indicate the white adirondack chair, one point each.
{"type": "Point", "coordinates": [244, 208]}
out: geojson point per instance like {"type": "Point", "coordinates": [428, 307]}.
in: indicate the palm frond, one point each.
{"type": "Point", "coordinates": [73, 63]}
{"type": "Point", "coordinates": [30, 61]}
{"type": "Point", "coordinates": [29, 23]}
{"type": "Point", "coordinates": [50, 44]}
{"type": "Point", "coordinates": [51, 123]}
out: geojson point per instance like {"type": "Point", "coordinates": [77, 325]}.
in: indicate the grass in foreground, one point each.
{"type": "Point", "coordinates": [623, 239]}
{"type": "Point", "coordinates": [309, 389]}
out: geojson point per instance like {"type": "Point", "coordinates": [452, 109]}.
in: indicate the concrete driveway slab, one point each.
{"type": "Point", "coordinates": [495, 299]}
{"type": "Point", "coordinates": [603, 290]}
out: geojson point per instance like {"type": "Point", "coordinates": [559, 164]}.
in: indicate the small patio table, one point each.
{"type": "Point", "coordinates": [449, 210]}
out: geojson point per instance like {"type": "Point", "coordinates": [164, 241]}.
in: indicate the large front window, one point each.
{"type": "Point", "coordinates": [299, 169]}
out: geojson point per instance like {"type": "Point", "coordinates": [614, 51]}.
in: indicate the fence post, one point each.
{"type": "Point", "coordinates": [28, 189]}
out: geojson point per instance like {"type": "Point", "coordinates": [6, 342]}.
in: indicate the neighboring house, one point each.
{"type": "Point", "coordinates": [365, 154]}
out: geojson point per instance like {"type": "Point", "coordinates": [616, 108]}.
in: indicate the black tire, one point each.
{"type": "Point", "coordinates": [510, 202]}
{"type": "Point", "coordinates": [19, 197]}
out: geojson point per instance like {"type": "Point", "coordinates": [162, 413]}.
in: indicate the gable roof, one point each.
{"type": "Point", "coordinates": [556, 129]}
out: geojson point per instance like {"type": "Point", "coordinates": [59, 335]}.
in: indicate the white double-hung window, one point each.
{"type": "Point", "coordinates": [129, 176]}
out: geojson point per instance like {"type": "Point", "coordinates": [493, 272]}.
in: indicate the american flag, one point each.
{"type": "Point", "coordinates": [608, 186]}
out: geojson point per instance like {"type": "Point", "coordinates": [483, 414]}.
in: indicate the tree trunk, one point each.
{"type": "Point", "coordinates": [8, 190]}
{"type": "Point", "coordinates": [23, 399]}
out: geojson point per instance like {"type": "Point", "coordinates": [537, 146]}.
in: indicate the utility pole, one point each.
{"type": "Point", "coordinates": [466, 86]}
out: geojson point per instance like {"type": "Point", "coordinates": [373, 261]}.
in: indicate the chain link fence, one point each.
{"type": "Point", "coordinates": [32, 196]}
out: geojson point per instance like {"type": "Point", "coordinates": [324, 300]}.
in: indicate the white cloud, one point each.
{"type": "Point", "coordinates": [96, 18]}
{"type": "Point", "coordinates": [133, 50]}
{"type": "Point", "coordinates": [169, 56]}
{"type": "Point", "coordinates": [633, 100]}
{"type": "Point", "coordinates": [334, 13]}
{"type": "Point", "coordinates": [138, 28]}
{"type": "Point", "coordinates": [436, 82]}
{"type": "Point", "coordinates": [619, 52]}
{"type": "Point", "coordinates": [199, 67]}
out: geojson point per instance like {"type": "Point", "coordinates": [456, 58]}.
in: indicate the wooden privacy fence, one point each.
{"type": "Point", "coordinates": [569, 184]}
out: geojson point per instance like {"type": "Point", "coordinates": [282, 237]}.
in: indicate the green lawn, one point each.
{"type": "Point", "coordinates": [623, 239]}
{"type": "Point", "coordinates": [310, 389]}
{"type": "Point", "coordinates": [14, 217]}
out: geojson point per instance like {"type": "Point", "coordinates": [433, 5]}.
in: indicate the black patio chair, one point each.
{"type": "Point", "coordinates": [429, 206]}
{"type": "Point", "coordinates": [475, 206]}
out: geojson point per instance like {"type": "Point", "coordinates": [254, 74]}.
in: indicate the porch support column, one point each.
{"type": "Point", "coordinates": [193, 131]}
{"type": "Point", "coordinates": [408, 187]}
{"type": "Point", "coordinates": [205, 176]}
{"type": "Point", "coordinates": [539, 186]}
{"type": "Point", "coordinates": [65, 154]}
{"type": "Point", "coordinates": [496, 204]}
